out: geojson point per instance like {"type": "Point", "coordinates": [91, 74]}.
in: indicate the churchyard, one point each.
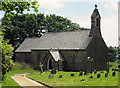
{"type": "Point", "coordinates": [73, 79]}
{"type": "Point", "coordinates": [65, 79]}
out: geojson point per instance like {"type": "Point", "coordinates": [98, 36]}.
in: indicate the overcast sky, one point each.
{"type": "Point", "coordinates": [80, 11]}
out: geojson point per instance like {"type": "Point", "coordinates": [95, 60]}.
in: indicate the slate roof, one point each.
{"type": "Point", "coordinates": [59, 40]}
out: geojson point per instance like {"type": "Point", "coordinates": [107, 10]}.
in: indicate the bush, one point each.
{"type": "Point", "coordinates": [7, 54]}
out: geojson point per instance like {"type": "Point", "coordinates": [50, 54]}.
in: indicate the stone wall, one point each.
{"type": "Point", "coordinates": [98, 50]}
{"type": "Point", "coordinates": [23, 57]}
{"type": "Point", "coordinates": [74, 60]}
{"type": "Point", "coordinates": [37, 57]}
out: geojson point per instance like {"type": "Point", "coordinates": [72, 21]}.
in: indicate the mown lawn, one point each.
{"type": "Point", "coordinates": [9, 82]}
{"type": "Point", "coordinates": [67, 80]}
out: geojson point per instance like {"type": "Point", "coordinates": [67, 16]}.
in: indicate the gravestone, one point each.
{"type": "Point", "coordinates": [41, 67]}
{"type": "Point", "coordinates": [80, 74]}
{"type": "Point", "coordinates": [91, 76]}
{"type": "Point", "coordinates": [98, 75]}
{"type": "Point", "coordinates": [95, 71]}
{"type": "Point", "coordinates": [113, 69]}
{"type": "Point", "coordinates": [119, 66]}
{"type": "Point", "coordinates": [113, 73]}
{"type": "Point", "coordinates": [72, 74]}
{"type": "Point", "coordinates": [102, 71]}
{"type": "Point", "coordinates": [53, 71]}
{"type": "Point", "coordinates": [24, 66]}
{"type": "Point", "coordinates": [116, 69]}
{"type": "Point", "coordinates": [82, 79]}
{"type": "Point", "coordinates": [110, 65]}
{"type": "Point", "coordinates": [106, 74]}
{"type": "Point", "coordinates": [51, 75]}
{"type": "Point", "coordinates": [60, 76]}
{"type": "Point", "coordinates": [84, 73]}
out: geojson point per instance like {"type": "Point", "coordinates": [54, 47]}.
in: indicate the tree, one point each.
{"type": "Point", "coordinates": [112, 52]}
{"type": "Point", "coordinates": [11, 9]}
{"type": "Point", "coordinates": [21, 26]}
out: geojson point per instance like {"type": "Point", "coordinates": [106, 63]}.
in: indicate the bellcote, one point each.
{"type": "Point", "coordinates": [95, 23]}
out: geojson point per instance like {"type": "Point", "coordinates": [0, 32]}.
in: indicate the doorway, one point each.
{"type": "Point", "coordinates": [49, 64]}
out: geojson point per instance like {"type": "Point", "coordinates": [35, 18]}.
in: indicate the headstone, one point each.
{"type": "Point", "coordinates": [113, 73]}
{"type": "Point", "coordinates": [60, 76]}
{"type": "Point", "coordinates": [95, 71]}
{"type": "Point", "coordinates": [116, 69]}
{"type": "Point", "coordinates": [113, 69]}
{"type": "Point", "coordinates": [82, 79]}
{"type": "Point", "coordinates": [53, 71]}
{"type": "Point", "coordinates": [119, 70]}
{"type": "Point", "coordinates": [102, 71]}
{"type": "Point", "coordinates": [72, 74]}
{"type": "Point", "coordinates": [84, 73]}
{"type": "Point", "coordinates": [119, 66]}
{"type": "Point", "coordinates": [91, 76]}
{"type": "Point", "coordinates": [80, 74]}
{"type": "Point", "coordinates": [41, 67]}
{"type": "Point", "coordinates": [51, 76]}
{"type": "Point", "coordinates": [110, 65]}
{"type": "Point", "coordinates": [106, 74]}
{"type": "Point", "coordinates": [24, 66]}
{"type": "Point", "coordinates": [98, 75]}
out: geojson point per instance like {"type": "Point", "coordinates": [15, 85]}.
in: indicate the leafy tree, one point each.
{"type": "Point", "coordinates": [21, 26]}
{"type": "Point", "coordinates": [112, 52]}
{"type": "Point", "coordinates": [11, 9]}
{"type": "Point", "coordinates": [7, 53]}
{"type": "Point", "coordinates": [16, 7]}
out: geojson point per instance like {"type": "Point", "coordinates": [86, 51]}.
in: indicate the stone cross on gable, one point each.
{"type": "Point", "coordinates": [41, 67]}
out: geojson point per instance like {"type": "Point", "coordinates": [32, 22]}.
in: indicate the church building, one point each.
{"type": "Point", "coordinates": [83, 50]}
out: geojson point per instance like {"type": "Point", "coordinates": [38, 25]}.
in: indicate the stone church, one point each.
{"type": "Point", "coordinates": [83, 50]}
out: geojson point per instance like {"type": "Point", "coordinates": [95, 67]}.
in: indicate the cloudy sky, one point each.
{"type": "Point", "coordinates": [80, 11]}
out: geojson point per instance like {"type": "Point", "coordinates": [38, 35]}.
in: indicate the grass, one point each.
{"type": "Point", "coordinates": [67, 80]}
{"type": "Point", "coordinates": [9, 82]}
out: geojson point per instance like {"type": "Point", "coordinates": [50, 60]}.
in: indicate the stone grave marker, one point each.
{"type": "Point", "coordinates": [116, 69]}
{"type": "Point", "coordinates": [72, 74]}
{"type": "Point", "coordinates": [24, 66]}
{"type": "Point", "coordinates": [41, 67]}
{"type": "Point", "coordinates": [51, 75]}
{"type": "Point", "coordinates": [98, 75]}
{"type": "Point", "coordinates": [80, 74]}
{"type": "Point", "coordinates": [102, 71]}
{"type": "Point", "coordinates": [91, 76]}
{"type": "Point", "coordinates": [82, 79]}
{"type": "Point", "coordinates": [95, 71]}
{"type": "Point", "coordinates": [113, 73]}
{"type": "Point", "coordinates": [112, 69]}
{"type": "Point", "coordinates": [60, 76]}
{"type": "Point", "coordinates": [53, 71]}
{"type": "Point", "coordinates": [106, 74]}
{"type": "Point", "coordinates": [84, 73]}
{"type": "Point", "coordinates": [119, 66]}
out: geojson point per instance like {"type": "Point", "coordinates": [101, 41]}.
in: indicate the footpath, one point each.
{"type": "Point", "coordinates": [25, 82]}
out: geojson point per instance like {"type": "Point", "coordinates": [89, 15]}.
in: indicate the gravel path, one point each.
{"type": "Point", "coordinates": [22, 80]}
